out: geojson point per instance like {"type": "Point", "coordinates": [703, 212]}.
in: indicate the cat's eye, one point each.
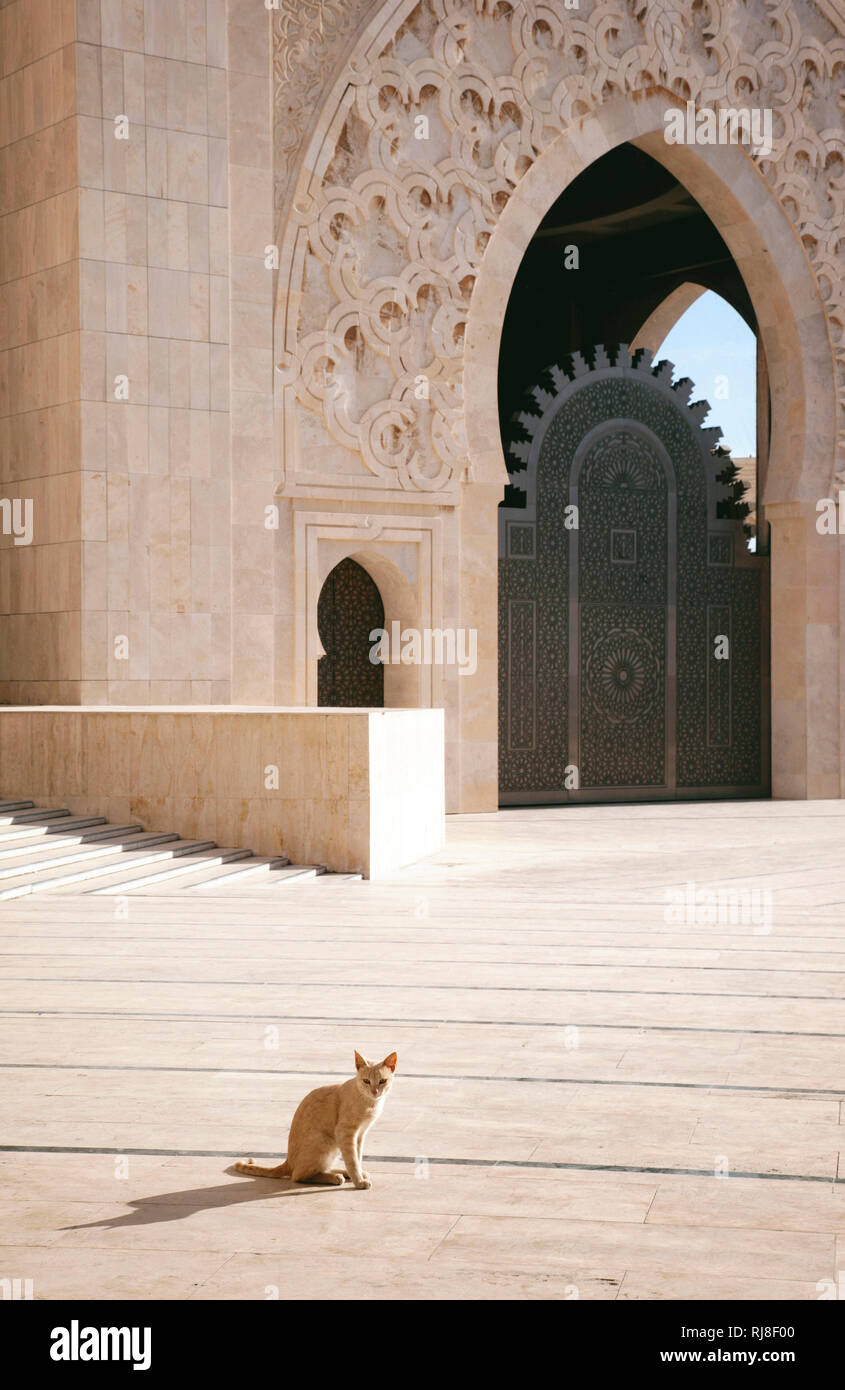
{"type": "Point", "coordinates": [382, 1082]}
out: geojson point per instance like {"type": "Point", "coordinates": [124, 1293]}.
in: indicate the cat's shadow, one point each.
{"type": "Point", "coordinates": [175, 1206]}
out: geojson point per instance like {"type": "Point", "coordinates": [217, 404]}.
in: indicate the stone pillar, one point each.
{"type": "Point", "coordinates": [252, 279]}
{"type": "Point", "coordinates": [40, 477]}
{"type": "Point", "coordinates": [805, 580]}
{"type": "Point", "coordinates": [478, 751]}
{"type": "Point", "coordinates": [152, 187]}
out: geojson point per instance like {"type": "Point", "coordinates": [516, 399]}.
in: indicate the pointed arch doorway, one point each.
{"type": "Point", "coordinates": [633, 633]}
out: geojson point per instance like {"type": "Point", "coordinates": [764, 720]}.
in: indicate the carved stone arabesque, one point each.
{"type": "Point", "coordinates": [397, 225]}
{"type": "Point", "coordinates": [308, 36]}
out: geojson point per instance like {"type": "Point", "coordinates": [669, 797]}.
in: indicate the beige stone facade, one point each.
{"type": "Point", "coordinates": [260, 333]}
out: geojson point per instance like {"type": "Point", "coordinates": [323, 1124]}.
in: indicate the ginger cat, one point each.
{"type": "Point", "coordinates": [333, 1120]}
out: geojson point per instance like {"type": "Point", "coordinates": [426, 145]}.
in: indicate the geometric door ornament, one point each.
{"type": "Point", "coordinates": [349, 608]}
{"type": "Point", "coordinates": [633, 619]}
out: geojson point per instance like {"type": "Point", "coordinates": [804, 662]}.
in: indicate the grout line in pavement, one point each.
{"type": "Point", "coordinates": [835, 1093]}
{"type": "Point", "coordinates": [831, 1181]}
{"type": "Point", "coordinates": [475, 989]}
{"type": "Point", "coordinates": [354, 1020]}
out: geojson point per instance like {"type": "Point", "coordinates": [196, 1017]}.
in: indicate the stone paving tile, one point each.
{"type": "Point", "coordinates": [303, 1221]}
{"type": "Point", "coordinates": [671, 1156]}
{"type": "Point", "coordinates": [109, 1274]}
{"type": "Point", "coordinates": [261, 1276]}
{"type": "Point", "coordinates": [776, 1206]}
{"type": "Point", "coordinates": [205, 1182]}
{"type": "Point", "coordinates": [558, 1039]}
{"type": "Point", "coordinates": [644, 1284]}
{"type": "Point", "coordinates": [711, 1252]}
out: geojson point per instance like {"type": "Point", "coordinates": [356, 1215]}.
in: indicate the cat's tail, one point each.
{"type": "Point", "coordinates": [281, 1171]}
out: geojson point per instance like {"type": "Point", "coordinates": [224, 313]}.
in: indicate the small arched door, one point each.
{"type": "Point", "coordinates": [348, 610]}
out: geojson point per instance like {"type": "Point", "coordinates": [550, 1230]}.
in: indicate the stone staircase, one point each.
{"type": "Point", "coordinates": [53, 851]}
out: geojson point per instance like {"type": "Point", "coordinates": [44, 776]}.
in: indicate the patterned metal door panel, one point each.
{"type": "Point", "coordinates": [622, 574]}
{"type": "Point", "coordinates": [348, 610]}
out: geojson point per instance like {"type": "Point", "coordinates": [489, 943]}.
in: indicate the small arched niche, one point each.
{"type": "Point", "coordinates": [405, 686]}
{"type": "Point", "coordinates": [350, 607]}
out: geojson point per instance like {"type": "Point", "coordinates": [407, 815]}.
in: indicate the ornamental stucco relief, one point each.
{"type": "Point", "coordinates": [435, 121]}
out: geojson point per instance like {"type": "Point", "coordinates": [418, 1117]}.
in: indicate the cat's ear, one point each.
{"type": "Point", "coordinates": [359, 1062]}
{"type": "Point", "coordinates": [390, 1061]}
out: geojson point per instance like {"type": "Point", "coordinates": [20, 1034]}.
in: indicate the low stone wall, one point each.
{"type": "Point", "coordinates": [359, 790]}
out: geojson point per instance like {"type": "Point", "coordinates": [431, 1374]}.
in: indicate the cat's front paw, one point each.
{"type": "Point", "coordinates": [365, 1182]}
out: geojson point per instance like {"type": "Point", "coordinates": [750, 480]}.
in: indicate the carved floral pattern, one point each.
{"type": "Point", "coordinates": [623, 676]}
{"type": "Point", "coordinates": [440, 127]}
{"type": "Point", "coordinates": [307, 37]}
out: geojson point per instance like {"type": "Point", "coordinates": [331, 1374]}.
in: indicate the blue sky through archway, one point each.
{"type": "Point", "coordinates": [715, 348]}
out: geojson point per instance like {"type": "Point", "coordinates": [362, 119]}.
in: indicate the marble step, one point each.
{"type": "Point", "coordinates": [256, 867]}
{"type": "Point", "coordinates": [280, 878]}
{"type": "Point", "coordinates": [208, 857]}
{"type": "Point", "coordinates": [79, 832]}
{"type": "Point", "coordinates": [35, 882]}
{"type": "Point", "coordinates": [11, 811]}
{"type": "Point", "coordinates": [54, 856]}
{"type": "Point", "coordinates": [84, 834]}
{"type": "Point", "coordinates": [50, 850]}
{"type": "Point", "coordinates": [39, 822]}
{"type": "Point", "coordinates": [240, 883]}
{"type": "Point", "coordinates": [278, 874]}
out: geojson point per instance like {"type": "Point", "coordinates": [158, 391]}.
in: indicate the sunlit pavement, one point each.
{"type": "Point", "coordinates": [621, 1039]}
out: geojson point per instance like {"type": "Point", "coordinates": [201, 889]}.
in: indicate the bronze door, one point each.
{"type": "Point", "coordinates": [633, 620]}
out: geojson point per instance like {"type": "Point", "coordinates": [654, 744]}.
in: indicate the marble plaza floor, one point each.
{"type": "Point", "coordinates": [603, 1091]}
